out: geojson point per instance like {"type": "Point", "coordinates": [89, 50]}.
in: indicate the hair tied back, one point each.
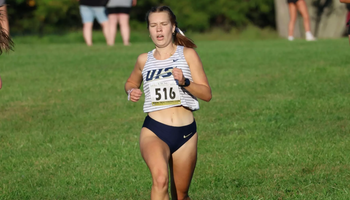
{"type": "Point", "coordinates": [179, 31]}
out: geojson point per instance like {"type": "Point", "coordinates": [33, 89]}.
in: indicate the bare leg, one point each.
{"type": "Point", "coordinates": [87, 33]}
{"type": "Point", "coordinates": [301, 5]}
{"type": "Point", "coordinates": [106, 32]}
{"type": "Point", "coordinates": [124, 27]}
{"type": "Point", "coordinates": [113, 23]}
{"type": "Point", "coordinates": [0, 83]}
{"type": "Point", "coordinates": [182, 165]}
{"type": "Point", "coordinates": [4, 22]}
{"type": "Point", "coordinates": [293, 16]}
{"type": "Point", "coordinates": [349, 39]}
{"type": "Point", "coordinates": [156, 154]}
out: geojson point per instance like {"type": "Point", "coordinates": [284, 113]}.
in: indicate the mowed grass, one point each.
{"type": "Point", "coordinates": [277, 126]}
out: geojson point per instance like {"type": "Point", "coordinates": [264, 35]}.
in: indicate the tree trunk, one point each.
{"type": "Point", "coordinates": [327, 18]}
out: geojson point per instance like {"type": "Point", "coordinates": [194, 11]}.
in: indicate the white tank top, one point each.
{"type": "Point", "coordinates": [160, 88]}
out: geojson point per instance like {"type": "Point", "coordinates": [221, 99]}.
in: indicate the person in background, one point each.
{"type": "Point", "coordinates": [118, 13]}
{"type": "Point", "coordinates": [293, 6]}
{"type": "Point", "coordinates": [6, 43]}
{"type": "Point", "coordinates": [173, 78]}
{"type": "Point", "coordinates": [348, 24]}
{"type": "Point", "coordinates": [4, 19]}
{"type": "Point", "coordinates": [89, 10]}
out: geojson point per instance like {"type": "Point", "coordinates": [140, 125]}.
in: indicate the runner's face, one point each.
{"type": "Point", "coordinates": [161, 29]}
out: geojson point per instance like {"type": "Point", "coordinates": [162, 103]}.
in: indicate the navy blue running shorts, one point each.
{"type": "Point", "coordinates": [173, 136]}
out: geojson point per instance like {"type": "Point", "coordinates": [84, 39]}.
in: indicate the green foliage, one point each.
{"type": "Point", "coordinates": [49, 11]}
{"type": "Point", "coordinates": [49, 16]}
{"type": "Point", "coordinates": [188, 16]}
{"type": "Point", "coordinates": [205, 14]}
{"type": "Point", "coordinates": [40, 16]}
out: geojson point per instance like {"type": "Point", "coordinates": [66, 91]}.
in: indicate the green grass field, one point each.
{"type": "Point", "coordinates": [277, 126]}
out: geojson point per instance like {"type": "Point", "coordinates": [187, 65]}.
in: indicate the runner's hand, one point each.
{"type": "Point", "coordinates": [135, 95]}
{"type": "Point", "coordinates": [179, 76]}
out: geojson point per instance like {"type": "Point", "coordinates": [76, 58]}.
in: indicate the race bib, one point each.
{"type": "Point", "coordinates": [164, 93]}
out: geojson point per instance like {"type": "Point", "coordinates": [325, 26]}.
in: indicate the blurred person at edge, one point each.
{"type": "Point", "coordinates": [347, 1]}
{"type": "Point", "coordinates": [89, 10]}
{"type": "Point", "coordinates": [6, 43]}
{"type": "Point", "coordinates": [4, 20]}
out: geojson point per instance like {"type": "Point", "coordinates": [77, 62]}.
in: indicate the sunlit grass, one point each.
{"type": "Point", "coordinates": [276, 128]}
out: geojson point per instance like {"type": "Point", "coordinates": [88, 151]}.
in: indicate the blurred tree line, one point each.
{"type": "Point", "coordinates": [54, 16]}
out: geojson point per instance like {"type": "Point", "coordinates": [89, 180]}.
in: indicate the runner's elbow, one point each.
{"type": "Point", "coordinates": [207, 98]}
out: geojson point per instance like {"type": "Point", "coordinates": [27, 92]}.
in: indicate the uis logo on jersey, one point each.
{"type": "Point", "coordinates": [159, 73]}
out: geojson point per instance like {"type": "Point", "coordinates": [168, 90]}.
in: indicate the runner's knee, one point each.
{"type": "Point", "coordinates": [161, 181]}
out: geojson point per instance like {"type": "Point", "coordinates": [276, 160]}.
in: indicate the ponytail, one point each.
{"type": "Point", "coordinates": [181, 39]}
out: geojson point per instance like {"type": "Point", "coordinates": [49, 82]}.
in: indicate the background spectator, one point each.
{"type": "Point", "coordinates": [118, 13]}
{"type": "Point", "coordinates": [89, 10]}
{"type": "Point", "coordinates": [293, 6]}
{"type": "Point", "coordinates": [4, 20]}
